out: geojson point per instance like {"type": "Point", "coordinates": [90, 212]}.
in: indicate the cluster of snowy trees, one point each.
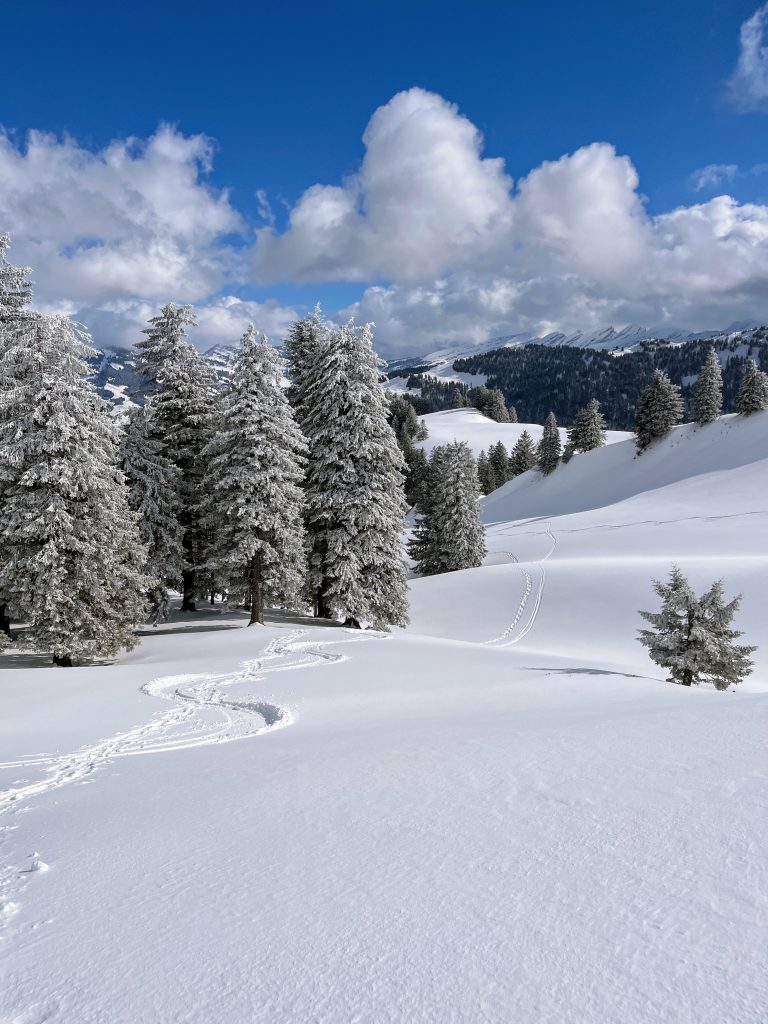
{"type": "Point", "coordinates": [660, 406]}
{"type": "Point", "coordinates": [692, 637]}
{"type": "Point", "coordinates": [209, 489]}
{"type": "Point", "coordinates": [448, 534]}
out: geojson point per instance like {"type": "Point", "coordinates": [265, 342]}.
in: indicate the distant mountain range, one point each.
{"type": "Point", "coordinates": [606, 339]}
{"type": "Point", "coordinates": [116, 379]}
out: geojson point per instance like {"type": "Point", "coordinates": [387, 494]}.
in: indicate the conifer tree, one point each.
{"type": "Point", "coordinates": [708, 391]}
{"type": "Point", "coordinates": [512, 411]}
{"type": "Point", "coordinates": [73, 553]}
{"type": "Point", "coordinates": [692, 637]}
{"type": "Point", "coordinates": [154, 493]}
{"type": "Point", "coordinates": [162, 340]}
{"type": "Point", "coordinates": [498, 461]}
{"type": "Point", "coordinates": [448, 535]}
{"type": "Point", "coordinates": [306, 340]}
{"type": "Point", "coordinates": [549, 448]}
{"type": "Point", "coordinates": [355, 503]}
{"type": "Point", "coordinates": [496, 407]}
{"type": "Point", "coordinates": [15, 295]}
{"type": "Point", "coordinates": [660, 407]}
{"type": "Point", "coordinates": [185, 393]}
{"type": "Point", "coordinates": [457, 399]}
{"type": "Point", "coordinates": [484, 474]}
{"type": "Point", "coordinates": [523, 455]}
{"type": "Point", "coordinates": [253, 498]}
{"type": "Point", "coordinates": [753, 392]}
{"type": "Point", "coordinates": [587, 431]}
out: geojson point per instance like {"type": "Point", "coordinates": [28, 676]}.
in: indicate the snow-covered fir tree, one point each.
{"type": "Point", "coordinates": [484, 474]}
{"type": "Point", "coordinates": [166, 333]}
{"type": "Point", "coordinates": [512, 412]}
{"type": "Point", "coordinates": [253, 498]}
{"type": "Point", "coordinates": [184, 410]}
{"type": "Point", "coordinates": [753, 391]}
{"type": "Point", "coordinates": [587, 431]}
{"type": "Point", "coordinates": [523, 455]}
{"type": "Point", "coordinates": [708, 391]}
{"type": "Point", "coordinates": [154, 493]}
{"type": "Point", "coordinates": [448, 535]}
{"type": "Point", "coordinates": [74, 556]}
{"type": "Point", "coordinates": [692, 637]}
{"type": "Point", "coordinates": [496, 407]}
{"type": "Point", "coordinates": [354, 486]}
{"type": "Point", "coordinates": [15, 295]}
{"type": "Point", "coordinates": [550, 447]}
{"type": "Point", "coordinates": [303, 346]}
{"type": "Point", "coordinates": [660, 407]}
{"type": "Point", "coordinates": [498, 462]}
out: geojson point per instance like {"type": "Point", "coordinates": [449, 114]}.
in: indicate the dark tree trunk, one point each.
{"type": "Point", "coordinates": [5, 620]}
{"type": "Point", "coordinates": [256, 591]}
{"type": "Point", "coordinates": [213, 598]}
{"type": "Point", "coordinates": [62, 660]}
{"type": "Point", "coordinates": [322, 611]}
{"type": "Point", "coordinates": [188, 599]}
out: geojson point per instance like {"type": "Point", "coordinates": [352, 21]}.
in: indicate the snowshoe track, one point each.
{"type": "Point", "coordinates": [520, 626]}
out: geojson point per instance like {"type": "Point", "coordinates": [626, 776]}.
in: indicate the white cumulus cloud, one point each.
{"type": "Point", "coordinates": [748, 85]}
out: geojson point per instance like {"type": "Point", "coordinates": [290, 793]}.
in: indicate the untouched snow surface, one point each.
{"type": "Point", "coordinates": [500, 814]}
{"type": "Point", "coordinates": [480, 432]}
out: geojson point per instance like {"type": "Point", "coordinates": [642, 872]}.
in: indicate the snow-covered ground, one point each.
{"type": "Point", "coordinates": [502, 813]}
{"type": "Point", "coordinates": [480, 432]}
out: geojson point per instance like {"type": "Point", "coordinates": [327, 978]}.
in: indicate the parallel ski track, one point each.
{"type": "Point", "coordinates": [512, 634]}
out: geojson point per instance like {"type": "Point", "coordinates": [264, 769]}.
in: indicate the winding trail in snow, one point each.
{"type": "Point", "coordinates": [520, 625]}
{"type": "Point", "coordinates": [201, 715]}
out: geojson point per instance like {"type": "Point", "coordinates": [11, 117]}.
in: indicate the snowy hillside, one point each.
{"type": "Point", "coordinates": [479, 431]}
{"type": "Point", "coordinates": [501, 813]}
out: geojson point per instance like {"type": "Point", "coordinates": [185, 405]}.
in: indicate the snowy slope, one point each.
{"type": "Point", "coordinates": [480, 432]}
{"type": "Point", "coordinates": [502, 813]}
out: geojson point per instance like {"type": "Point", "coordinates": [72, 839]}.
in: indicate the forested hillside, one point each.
{"type": "Point", "coordinates": [537, 379]}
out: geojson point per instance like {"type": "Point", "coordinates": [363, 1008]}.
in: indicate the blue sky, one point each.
{"type": "Point", "coordinates": [284, 93]}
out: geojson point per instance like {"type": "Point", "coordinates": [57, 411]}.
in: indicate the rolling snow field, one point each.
{"type": "Point", "coordinates": [500, 814]}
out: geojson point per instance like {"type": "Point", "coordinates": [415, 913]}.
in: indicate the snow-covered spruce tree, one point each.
{"type": "Point", "coordinates": [660, 407]}
{"type": "Point", "coordinates": [708, 391]}
{"type": "Point", "coordinates": [73, 553]}
{"type": "Point", "coordinates": [354, 486]}
{"type": "Point", "coordinates": [449, 535]}
{"type": "Point", "coordinates": [15, 295]}
{"type": "Point", "coordinates": [184, 410]}
{"type": "Point", "coordinates": [587, 431]}
{"type": "Point", "coordinates": [512, 412]}
{"type": "Point", "coordinates": [692, 637]}
{"type": "Point", "coordinates": [154, 493]}
{"type": "Point", "coordinates": [753, 391]}
{"type": "Point", "coordinates": [496, 407]}
{"type": "Point", "coordinates": [306, 340]}
{"type": "Point", "coordinates": [484, 474]}
{"type": "Point", "coordinates": [523, 455]}
{"type": "Point", "coordinates": [253, 498]}
{"type": "Point", "coordinates": [166, 333]}
{"type": "Point", "coordinates": [498, 462]}
{"type": "Point", "coordinates": [549, 448]}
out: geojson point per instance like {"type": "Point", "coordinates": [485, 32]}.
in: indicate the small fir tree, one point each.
{"type": "Point", "coordinates": [587, 431]}
{"type": "Point", "coordinates": [74, 557]}
{"type": "Point", "coordinates": [692, 637]}
{"type": "Point", "coordinates": [512, 414]}
{"type": "Point", "coordinates": [484, 474]}
{"type": "Point", "coordinates": [448, 535]}
{"type": "Point", "coordinates": [523, 455]}
{"type": "Point", "coordinates": [496, 407]}
{"type": "Point", "coordinates": [708, 391]}
{"type": "Point", "coordinates": [162, 340]}
{"type": "Point", "coordinates": [660, 407]}
{"type": "Point", "coordinates": [549, 449]}
{"type": "Point", "coordinates": [753, 391]}
{"type": "Point", "coordinates": [498, 462]}
{"type": "Point", "coordinates": [253, 498]}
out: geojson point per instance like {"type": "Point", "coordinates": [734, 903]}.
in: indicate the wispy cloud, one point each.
{"type": "Point", "coordinates": [713, 175]}
{"type": "Point", "coordinates": [748, 85]}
